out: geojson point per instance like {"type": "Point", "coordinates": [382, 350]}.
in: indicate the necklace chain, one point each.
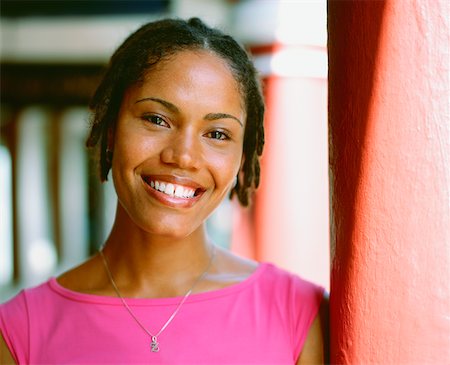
{"type": "Point", "coordinates": [155, 344]}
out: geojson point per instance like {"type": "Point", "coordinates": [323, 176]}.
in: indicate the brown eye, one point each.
{"type": "Point", "coordinates": [218, 135]}
{"type": "Point", "coordinates": [156, 119]}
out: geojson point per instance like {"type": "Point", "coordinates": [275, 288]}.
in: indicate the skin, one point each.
{"type": "Point", "coordinates": [5, 354]}
{"type": "Point", "coordinates": [315, 349]}
{"type": "Point", "coordinates": [176, 126]}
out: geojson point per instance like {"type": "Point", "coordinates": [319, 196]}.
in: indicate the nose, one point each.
{"type": "Point", "coordinates": [183, 150]}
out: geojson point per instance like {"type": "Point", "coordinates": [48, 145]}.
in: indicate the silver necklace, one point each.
{"type": "Point", "coordinates": [154, 345]}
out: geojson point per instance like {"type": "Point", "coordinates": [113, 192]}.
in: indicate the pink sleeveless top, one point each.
{"type": "Point", "coordinates": [262, 320]}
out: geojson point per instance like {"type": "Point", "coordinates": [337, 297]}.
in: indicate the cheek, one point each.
{"type": "Point", "coordinates": [226, 167]}
{"type": "Point", "coordinates": [132, 148]}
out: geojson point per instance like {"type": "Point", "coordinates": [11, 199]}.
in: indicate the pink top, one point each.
{"type": "Point", "coordinates": [261, 320]}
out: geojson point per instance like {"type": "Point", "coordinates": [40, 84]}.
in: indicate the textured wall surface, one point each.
{"type": "Point", "coordinates": [389, 159]}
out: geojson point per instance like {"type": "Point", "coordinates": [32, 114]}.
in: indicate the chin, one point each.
{"type": "Point", "coordinates": [176, 231]}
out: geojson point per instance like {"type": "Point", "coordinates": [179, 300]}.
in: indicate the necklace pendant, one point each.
{"type": "Point", "coordinates": [155, 344]}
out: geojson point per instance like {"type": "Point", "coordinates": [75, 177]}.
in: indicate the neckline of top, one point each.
{"type": "Point", "coordinates": [195, 297]}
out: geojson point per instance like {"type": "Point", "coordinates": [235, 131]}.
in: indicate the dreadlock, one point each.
{"type": "Point", "coordinates": [155, 42]}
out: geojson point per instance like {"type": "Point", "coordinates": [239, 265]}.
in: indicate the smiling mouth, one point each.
{"type": "Point", "coordinates": [173, 190]}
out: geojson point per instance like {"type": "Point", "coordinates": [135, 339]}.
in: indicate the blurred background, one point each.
{"type": "Point", "coordinates": [54, 212]}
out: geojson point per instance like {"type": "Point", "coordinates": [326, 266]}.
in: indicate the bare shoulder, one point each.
{"type": "Point", "coordinates": [83, 278]}
{"type": "Point", "coordinates": [228, 262]}
{"type": "Point", "coordinates": [230, 269]}
{"type": "Point", "coordinates": [5, 354]}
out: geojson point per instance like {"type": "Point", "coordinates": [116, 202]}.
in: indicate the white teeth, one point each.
{"type": "Point", "coordinates": [179, 192]}
{"type": "Point", "coordinates": [172, 189]}
{"type": "Point", "coordinates": [169, 189]}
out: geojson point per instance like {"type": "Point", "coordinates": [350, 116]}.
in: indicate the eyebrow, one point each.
{"type": "Point", "coordinates": [165, 103]}
{"type": "Point", "coordinates": [174, 109]}
{"type": "Point", "coordinates": [215, 116]}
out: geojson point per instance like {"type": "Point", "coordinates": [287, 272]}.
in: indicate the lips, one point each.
{"type": "Point", "coordinates": [173, 190]}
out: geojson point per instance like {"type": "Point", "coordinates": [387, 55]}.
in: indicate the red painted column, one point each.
{"type": "Point", "coordinates": [389, 159]}
{"type": "Point", "coordinates": [291, 206]}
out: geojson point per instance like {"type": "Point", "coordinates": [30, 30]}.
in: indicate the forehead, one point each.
{"type": "Point", "coordinates": [193, 63]}
{"type": "Point", "coordinates": [190, 74]}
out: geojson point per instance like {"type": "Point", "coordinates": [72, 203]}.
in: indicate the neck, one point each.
{"type": "Point", "coordinates": [148, 265]}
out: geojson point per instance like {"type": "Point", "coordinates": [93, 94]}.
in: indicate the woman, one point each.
{"type": "Point", "coordinates": [178, 119]}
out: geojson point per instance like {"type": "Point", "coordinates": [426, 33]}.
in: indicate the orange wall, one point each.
{"type": "Point", "coordinates": [389, 158]}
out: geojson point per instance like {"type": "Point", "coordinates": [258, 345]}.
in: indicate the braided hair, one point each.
{"type": "Point", "coordinates": [155, 42]}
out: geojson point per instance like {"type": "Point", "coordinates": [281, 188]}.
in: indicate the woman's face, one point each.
{"type": "Point", "coordinates": [178, 143]}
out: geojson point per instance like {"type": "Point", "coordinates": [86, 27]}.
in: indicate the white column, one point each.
{"type": "Point", "coordinates": [6, 225]}
{"type": "Point", "coordinates": [36, 246]}
{"type": "Point", "coordinates": [73, 187]}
